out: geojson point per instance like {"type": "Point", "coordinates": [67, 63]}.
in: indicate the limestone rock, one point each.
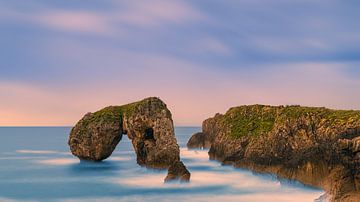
{"type": "Point", "coordinates": [150, 127]}
{"type": "Point", "coordinates": [204, 139]}
{"type": "Point", "coordinates": [178, 171]}
{"type": "Point", "coordinates": [303, 143]}
{"type": "Point", "coordinates": [197, 140]}
{"type": "Point", "coordinates": [148, 123]}
{"type": "Point", "coordinates": [95, 136]}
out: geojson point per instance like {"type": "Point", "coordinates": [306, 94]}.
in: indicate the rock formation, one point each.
{"type": "Point", "coordinates": [197, 140]}
{"type": "Point", "coordinates": [316, 146]}
{"type": "Point", "coordinates": [96, 135]}
{"type": "Point", "coordinates": [205, 138]}
{"type": "Point", "coordinates": [178, 171]}
{"type": "Point", "coordinates": [147, 123]}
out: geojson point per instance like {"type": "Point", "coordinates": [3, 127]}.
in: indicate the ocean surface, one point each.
{"type": "Point", "coordinates": [36, 165]}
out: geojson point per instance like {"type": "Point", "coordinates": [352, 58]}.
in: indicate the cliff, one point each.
{"type": "Point", "coordinates": [317, 146]}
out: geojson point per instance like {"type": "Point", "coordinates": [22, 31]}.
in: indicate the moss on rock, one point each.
{"type": "Point", "coordinates": [96, 135]}
{"type": "Point", "coordinates": [250, 120]}
{"type": "Point", "coordinates": [254, 120]}
{"type": "Point", "coordinates": [315, 145]}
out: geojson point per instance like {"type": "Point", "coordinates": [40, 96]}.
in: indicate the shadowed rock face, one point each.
{"type": "Point", "coordinates": [316, 146]}
{"type": "Point", "coordinates": [197, 140]}
{"type": "Point", "coordinates": [205, 138]}
{"type": "Point", "coordinates": [147, 123]}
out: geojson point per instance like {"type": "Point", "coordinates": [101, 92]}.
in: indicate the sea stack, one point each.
{"type": "Point", "coordinates": [148, 123]}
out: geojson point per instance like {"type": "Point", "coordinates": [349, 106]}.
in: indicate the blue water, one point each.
{"type": "Point", "coordinates": [35, 165]}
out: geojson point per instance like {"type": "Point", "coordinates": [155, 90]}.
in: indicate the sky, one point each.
{"type": "Point", "coordinates": [61, 59]}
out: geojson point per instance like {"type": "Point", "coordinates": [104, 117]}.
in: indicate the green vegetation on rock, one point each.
{"type": "Point", "coordinates": [329, 117]}
{"type": "Point", "coordinates": [254, 120]}
{"type": "Point", "coordinates": [250, 120]}
{"type": "Point", "coordinates": [147, 123]}
{"type": "Point", "coordinates": [113, 114]}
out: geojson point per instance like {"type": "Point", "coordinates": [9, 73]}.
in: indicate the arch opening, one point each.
{"type": "Point", "coordinates": [149, 134]}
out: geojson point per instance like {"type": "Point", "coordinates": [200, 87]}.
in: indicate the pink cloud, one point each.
{"type": "Point", "coordinates": [153, 13]}
{"type": "Point", "coordinates": [142, 14]}
{"type": "Point", "coordinates": [77, 21]}
{"type": "Point", "coordinates": [191, 93]}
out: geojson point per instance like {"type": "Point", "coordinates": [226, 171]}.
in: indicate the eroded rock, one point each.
{"type": "Point", "coordinates": [204, 139]}
{"type": "Point", "coordinates": [178, 171]}
{"type": "Point", "coordinates": [150, 127]}
{"type": "Point", "coordinates": [148, 123]}
{"type": "Point", "coordinates": [197, 140]}
{"type": "Point", "coordinates": [96, 135]}
{"type": "Point", "coordinates": [316, 146]}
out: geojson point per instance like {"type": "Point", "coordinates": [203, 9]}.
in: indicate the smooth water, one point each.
{"type": "Point", "coordinates": [36, 165]}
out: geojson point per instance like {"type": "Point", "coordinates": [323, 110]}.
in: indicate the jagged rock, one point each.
{"type": "Point", "coordinates": [178, 171]}
{"type": "Point", "coordinates": [147, 123]}
{"type": "Point", "coordinates": [302, 143]}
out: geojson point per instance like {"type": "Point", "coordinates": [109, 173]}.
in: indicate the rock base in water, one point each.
{"type": "Point", "coordinates": [178, 171]}
{"type": "Point", "coordinates": [197, 141]}
{"type": "Point", "coordinates": [95, 137]}
{"type": "Point", "coordinates": [317, 146]}
{"type": "Point", "coordinates": [204, 139]}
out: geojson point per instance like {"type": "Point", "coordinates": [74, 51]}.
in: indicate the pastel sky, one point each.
{"type": "Point", "coordinates": [60, 59]}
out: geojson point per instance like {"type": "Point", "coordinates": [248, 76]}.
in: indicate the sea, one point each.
{"type": "Point", "coordinates": [36, 165]}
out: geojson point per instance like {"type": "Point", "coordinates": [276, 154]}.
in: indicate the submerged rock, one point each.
{"type": "Point", "coordinates": [147, 123]}
{"type": "Point", "coordinates": [316, 146]}
{"type": "Point", "coordinates": [178, 171]}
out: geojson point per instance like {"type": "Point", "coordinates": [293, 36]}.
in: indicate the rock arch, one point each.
{"type": "Point", "coordinates": [147, 123]}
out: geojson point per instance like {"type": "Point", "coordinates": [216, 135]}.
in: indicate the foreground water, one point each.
{"type": "Point", "coordinates": [35, 165]}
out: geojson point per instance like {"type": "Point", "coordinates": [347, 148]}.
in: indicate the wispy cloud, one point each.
{"type": "Point", "coordinates": [74, 21]}
{"type": "Point", "coordinates": [289, 46]}
{"type": "Point", "coordinates": [211, 45]}
{"type": "Point", "coordinates": [154, 13]}
{"type": "Point", "coordinates": [119, 16]}
{"type": "Point", "coordinates": [191, 100]}
{"type": "Point", "coordinates": [61, 60]}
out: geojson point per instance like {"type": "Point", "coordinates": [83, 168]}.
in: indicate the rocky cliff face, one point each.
{"type": "Point", "coordinates": [204, 139]}
{"type": "Point", "coordinates": [316, 146]}
{"type": "Point", "coordinates": [147, 123]}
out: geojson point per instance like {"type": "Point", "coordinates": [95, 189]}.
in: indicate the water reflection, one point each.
{"type": "Point", "coordinates": [88, 167]}
{"type": "Point", "coordinates": [58, 161]}
{"type": "Point", "coordinates": [25, 151]}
